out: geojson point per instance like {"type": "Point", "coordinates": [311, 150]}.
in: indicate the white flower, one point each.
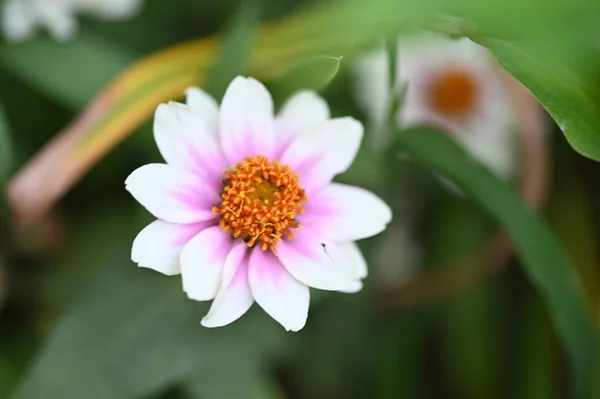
{"type": "Point", "coordinates": [451, 84]}
{"type": "Point", "coordinates": [21, 18]}
{"type": "Point", "coordinates": [246, 207]}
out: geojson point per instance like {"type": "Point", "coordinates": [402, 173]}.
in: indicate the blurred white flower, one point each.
{"type": "Point", "coordinates": [21, 18]}
{"type": "Point", "coordinates": [247, 210]}
{"type": "Point", "coordinates": [451, 84]}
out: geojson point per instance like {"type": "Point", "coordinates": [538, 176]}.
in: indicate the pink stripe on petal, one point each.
{"type": "Point", "coordinates": [172, 194]}
{"type": "Point", "coordinates": [202, 261]}
{"type": "Point", "coordinates": [246, 121]}
{"type": "Point", "coordinates": [234, 299]}
{"type": "Point", "coordinates": [159, 244]}
{"type": "Point", "coordinates": [185, 140]}
{"type": "Point", "coordinates": [307, 259]}
{"type": "Point", "coordinates": [324, 151]}
{"type": "Point", "coordinates": [343, 213]}
{"type": "Point", "coordinates": [282, 296]}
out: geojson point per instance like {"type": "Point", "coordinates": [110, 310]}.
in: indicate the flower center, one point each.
{"type": "Point", "coordinates": [453, 93]}
{"type": "Point", "coordinates": [260, 201]}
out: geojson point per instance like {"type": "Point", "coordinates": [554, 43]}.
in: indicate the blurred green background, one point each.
{"type": "Point", "coordinates": [78, 319]}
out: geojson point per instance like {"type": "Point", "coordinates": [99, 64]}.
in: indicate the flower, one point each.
{"type": "Point", "coordinates": [454, 85]}
{"type": "Point", "coordinates": [21, 18]}
{"type": "Point", "coordinates": [246, 207]}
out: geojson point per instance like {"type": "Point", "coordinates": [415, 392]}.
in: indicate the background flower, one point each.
{"type": "Point", "coordinates": [455, 85]}
{"type": "Point", "coordinates": [21, 18]}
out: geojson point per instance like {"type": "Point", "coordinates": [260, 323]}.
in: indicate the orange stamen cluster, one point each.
{"type": "Point", "coordinates": [453, 93]}
{"type": "Point", "coordinates": [260, 201]}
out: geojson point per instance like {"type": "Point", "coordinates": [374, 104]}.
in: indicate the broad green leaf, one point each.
{"type": "Point", "coordinates": [6, 155]}
{"type": "Point", "coordinates": [234, 377]}
{"type": "Point", "coordinates": [561, 89]}
{"type": "Point", "coordinates": [71, 73]}
{"type": "Point", "coordinates": [312, 74]}
{"type": "Point", "coordinates": [133, 332]}
{"type": "Point", "coordinates": [235, 50]}
{"type": "Point", "coordinates": [544, 260]}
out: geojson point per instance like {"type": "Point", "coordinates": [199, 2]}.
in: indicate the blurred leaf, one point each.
{"type": "Point", "coordinates": [559, 88]}
{"type": "Point", "coordinates": [312, 74]}
{"type": "Point", "coordinates": [6, 156]}
{"type": "Point", "coordinates": [131, 332]}
{"type": "Point", "coordinates": [242, 377]}
{"type": "Point", "coordinates": [571, 214]}
{"type": "Point", "coordinates": [235, 50]}
{"type": "Point", "coordinates": [537, 365]}
{"type": "Point", "coordinates": [543, 257]}
{"type": "Point", "coordinates": [71, 74]}
{"type": "Point", "coordinates": [469, 342]}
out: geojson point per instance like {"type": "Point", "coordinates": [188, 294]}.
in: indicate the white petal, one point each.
{"type": "Point", "coordinates": [299, 113]}
{"type": "Point", "coordinates": [205, 107]}
{"type": "Point", "coordinates": [326, 150]}
{"type": "Point", "coordinates": [343, 213]}
{"type": "Point", "coordinates": [282, 296]}
{"type": "Point", "coordinates": [111, 10]}
{"type": "Point", "coordinates": [171, 194]}
{"type": "Point", "coordinates": [202, 261]}
{"type": "Point", "coordinates": [372, 88]}
{"type": "Point", "coordinates": [308, 260]}
{"type": "Point", "coordinates": [184, 140]}
{"type": "Point", "coordinates": [234, 258]}
{"type": "Point", "coordinates": [246, 121]}
{"type": "Point", "coordinates": [59, 19]}
{"type": "Point", "coordinates": [349, 257]}
{"type": "Point", "coordinates": [159, 244]}
{"type": "Point", "coordinates": [235, 299]}
{"type": "Point", "coordinates": [354, 289]}
{"type": "Point", "coordinates": [18, 23]}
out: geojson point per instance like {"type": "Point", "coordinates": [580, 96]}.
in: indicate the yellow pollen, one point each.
{"type": "Point", "coordinates": [453, 93]}
{"type": "Point", "coordinates": [260, 201]}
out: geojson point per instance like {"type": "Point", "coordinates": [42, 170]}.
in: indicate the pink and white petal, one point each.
{"type": "Point", "coordinates": [159, 244]}
{"type": "Point", "coordinates": [308, 260]}
{"type": "Point", "coordinates": [185, 141]}
{"type": "Point", "coordinates": [246, 121]}
{"type": "Point", "coordinates": [349, 258]}
{"type": "Point", "coordinates": [232, 301]}
{"type": "Point", "coordinates": [172, 194]}
{"type": "Point", "coordinates": [202, 260]}
{"type": "Point", "coordinates": [234, 258]}
{"type": "Point", "coordinates": [298, 114]}
{"type": "Point", "coordinates": [205, 106]}
{"type": "Point", "coordinates": [354, 289]}
{"type": "Point", "coordinates": [276, 291]}
{"type": "Point", "coordinates": [324, 151]}
{"type": "Point", "coordinates": [343, 213]}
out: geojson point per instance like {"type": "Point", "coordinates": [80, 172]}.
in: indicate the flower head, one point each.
{"type": "Point", "coordinates": [21, 18]}
{"type": "Point", "coordinates": [454, 85]}
{"type": "Point", "coordinates": [246, 207]}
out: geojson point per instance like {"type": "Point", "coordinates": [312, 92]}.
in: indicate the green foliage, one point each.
{"type": "Point", "coordinates": [544, 260]}
{"type": "Point", "coordinates": [560, 88]}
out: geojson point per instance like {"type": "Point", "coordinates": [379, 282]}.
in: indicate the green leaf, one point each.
{"type": "Point", "coordinates": [132, 332]}
{"type": "Point", "coordinates": [234, 377]}
{"type": "Point", "coordinates": [544, 260]}
{"type": "Point", "coordinates": [6, 156]}
{"type": "Point", "coordinates": [71, 73]}
{"type": "Point", "coordinates": [236, 48]}
{"type": "Point", "coordinates": [561, 89]}
{"type": "Point", "coordinates": [314, 73]}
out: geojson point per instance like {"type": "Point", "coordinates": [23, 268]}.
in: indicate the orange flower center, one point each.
{"type": "Point", "coordinates": [453, 93]}
{"type": "Point", "coordinates": [260, 201]}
